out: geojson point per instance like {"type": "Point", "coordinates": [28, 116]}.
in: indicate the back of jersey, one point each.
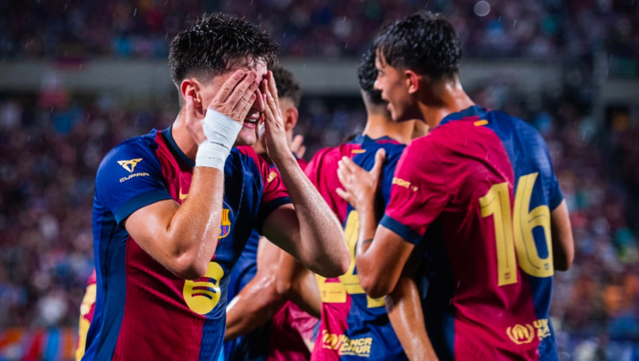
{"type": "Point", "coordinates": [478, 190]}
{"type": "Point", "coordinates": [353, 325]}
{"type": "Point", "coordinates": [536, 194]}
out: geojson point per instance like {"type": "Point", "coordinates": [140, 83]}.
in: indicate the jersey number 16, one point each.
{"type": "Point", "coordinates": [514, 231]}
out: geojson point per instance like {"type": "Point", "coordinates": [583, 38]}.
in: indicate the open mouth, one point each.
{"type": "Point", "coordinates": [251, 123]}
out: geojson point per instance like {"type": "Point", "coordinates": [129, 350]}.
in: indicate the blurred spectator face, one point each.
{"type": "Point", "coordinates": [394, 86]}
{"type": "Point", "coordinates": [248, 134]}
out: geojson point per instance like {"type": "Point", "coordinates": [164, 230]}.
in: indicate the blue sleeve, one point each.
{"type": "Point", "coordinates": [555, 195]}
{"type": "Point", "coordinates": [129, 178]}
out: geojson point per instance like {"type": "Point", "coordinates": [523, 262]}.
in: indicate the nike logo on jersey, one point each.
{"type": "Point", "coordinates": [129, 165]}
{"type": "Point", "coordinates": [182, 195]}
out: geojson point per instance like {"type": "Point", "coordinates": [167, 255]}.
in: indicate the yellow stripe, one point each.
{"type": "Point", "coordinates": [359, 151]}
{"type": "Point", "coordinates": [480, 123]}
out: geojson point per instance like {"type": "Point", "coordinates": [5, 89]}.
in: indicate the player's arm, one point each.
{"type": "Point", "coordinates": [279, 277]}
{"type": "Point", "coordinates": [563, 245]}
{"type": "Point", "coordinates": [381, 254]}
{"type": "Point", "coordinates": [298, 284]}
{"type": "Point", "coordinates": [307, 229]}
{"type": "Point", "coordinates": [418, 195]}
{"type": "Point", "coordinates": [404, 308]}
{"type": "Point", "coordinates": [183, 237]}
{"type": "Point", "coordinates": [259, 300]}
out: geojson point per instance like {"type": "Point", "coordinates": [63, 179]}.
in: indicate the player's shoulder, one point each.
{"type": "Point", "coordinates": [129, 153]}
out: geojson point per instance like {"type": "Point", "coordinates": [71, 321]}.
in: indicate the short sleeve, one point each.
{"type": "Point", "coordinates": [555, 195]}
{"type": "Point", "coordinates": [419, 192]}
{"type": "Point", "coordinates": [274, 194]}
{"type": "Point", "coordinates": [128, 179]}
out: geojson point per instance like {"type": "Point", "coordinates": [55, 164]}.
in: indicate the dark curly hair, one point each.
{"type": "Point", "coordinates": [367, 74]}
{"type": "Point", "coordinates": [424, 42]}
{"type": "Point", "coordinates": [215, 43]}
{"type": "Point", "coordinates": [287, 85]}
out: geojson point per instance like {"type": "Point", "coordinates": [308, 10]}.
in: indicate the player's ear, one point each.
{"type": "Point", "coordinates": [412, 81]}
{"type": "Point", "coordinates": [291, 115]}
{"type": "Point", "coordinates": [191, 87]}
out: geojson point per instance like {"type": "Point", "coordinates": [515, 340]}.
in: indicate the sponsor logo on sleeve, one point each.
{"type": "Point", "coordinates": [271, 176]}
{"type": "Point", "coordinates": [182, 195]}
{"type": "Point", "coordinates": [405, 184]}
{"type": "Point", "coordinates": [130, 164]}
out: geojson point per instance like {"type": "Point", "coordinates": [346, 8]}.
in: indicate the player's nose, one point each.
{"type": "Point", "coordinates": [258, 104]}
{"type": "Point", "coordinates": [377, 85]}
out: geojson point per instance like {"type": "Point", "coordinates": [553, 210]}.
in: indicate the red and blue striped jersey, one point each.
{"type": "Point", "coordinates": [353, 325]}
{"type": "Point", "coordinates": [145, 311]}
{"type": "Point", "coordinates": [478, 190]}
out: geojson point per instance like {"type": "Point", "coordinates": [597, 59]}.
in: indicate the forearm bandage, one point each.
{"type": "Point", "coordinates": [220, 131]}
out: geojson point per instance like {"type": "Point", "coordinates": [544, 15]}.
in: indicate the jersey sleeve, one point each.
{"type": "Point", "coordinates": [555, 195]}
{"type": "Point", "coordinates": [128, 179]}
{"type": "Point", "coordinates": [419, 192]}
{"type": "Point", "coordinates": [274, 194]}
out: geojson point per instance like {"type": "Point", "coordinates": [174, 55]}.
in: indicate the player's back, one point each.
{"type": "Point", "coordinates": [457, 188]}
{"type": "Point", "coordinates": [353, 325]}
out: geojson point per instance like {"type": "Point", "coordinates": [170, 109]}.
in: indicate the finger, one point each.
{"type": "Point", "coordinates": [241, 114]}
{"type": "Point", "coordinates": [189, 109]}
{"type": "Point", "coordinates": [272, 103]}
{"type": "Point", "coordinates": [248, 98]}
{"type": "Point", "coordinates": [343, 194]}
{"type": "Point", "coordinates": [380, 156]}
{"type": "Point", "coordinates": [296, 144]}
{"type": "Point", "coordinates": [272, 84]}
{"type": "Point", "coordinates": [300, 152]}
{"type": "Point", "coordinates": [348, 164]}
{"type": "Point", "coordinates": [240, 90]}
{"type": "Point", "coordinates": [228, 86]}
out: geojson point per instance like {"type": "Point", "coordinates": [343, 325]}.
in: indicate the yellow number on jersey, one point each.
{"type": "Point", "coordinates": [517, 237]}
{"type": "Point", "coordinates": [202, 297]}
{"type": "Point", "coordinates": [335, 292]}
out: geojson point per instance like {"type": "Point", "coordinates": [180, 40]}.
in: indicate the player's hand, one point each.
{"type": "Point", "coordinates": [359, 185]}
{"type": "Point", "coordinates": [274, 136]}
{"type": "Point", "coordinates": [297, 146]}
{"type": "Point", "coordinates": [235, 99]}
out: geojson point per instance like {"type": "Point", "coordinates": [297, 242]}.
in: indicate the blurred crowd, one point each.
{"type": "Point", "coordinates": [52, 147]}
{"type": "Point", "coordinates": [539, 29]}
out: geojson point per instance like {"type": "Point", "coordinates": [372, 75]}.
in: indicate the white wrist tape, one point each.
{"type": "Point", "coordinates": [220, 131]}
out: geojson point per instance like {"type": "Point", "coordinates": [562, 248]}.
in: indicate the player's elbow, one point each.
{"type": "Point", "coordinates": [188, 267]}
{"type": "Point", "coordinates": [563, 262]}
{"type": "Point", "coordinates": [332, 267]}
{"type": "Point", "coordinates": [373, 287]}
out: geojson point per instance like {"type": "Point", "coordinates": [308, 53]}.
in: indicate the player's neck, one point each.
{"type": "Point", "coordinates": [182, 137]}
{"type": "Point", "coordinates": [380, 125]}
{"type": "Point", "coordinates": [443, 99]}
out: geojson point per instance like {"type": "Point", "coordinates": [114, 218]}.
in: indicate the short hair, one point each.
{"type": "Point", "coordinates": [287, 85]}
{"type": "Point", "coordinates": [424, 42]}
{"type": "Point", "coordinates": [367, 74]}
{"type": "Point", "coordinates": [213, 45]}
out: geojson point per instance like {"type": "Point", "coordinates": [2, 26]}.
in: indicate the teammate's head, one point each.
{"type": "Point", "coordinates": [289, 94]}
{"type": "Point", "coordinates": [367, 74]}
{"type": "Point", "coordinates": [203, 56]}
{"type": "Point", "coordinates": [412, 54]}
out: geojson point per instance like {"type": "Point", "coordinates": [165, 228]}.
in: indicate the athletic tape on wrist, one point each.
{"type": "Point", "coordinates": [220, 131]}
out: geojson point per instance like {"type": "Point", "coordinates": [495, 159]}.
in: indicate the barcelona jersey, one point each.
{"type": "Point", "coordinates": [478, 190]}
{"type": "Point", "coordinates": [353, 325]}
{"type": "Point", "coordinates": [285, 336]}
{"type": "Point", "coordinates": [145, 311]}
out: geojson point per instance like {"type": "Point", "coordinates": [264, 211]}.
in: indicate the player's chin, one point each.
{"type": "Point", "coordinates": [246, 136]}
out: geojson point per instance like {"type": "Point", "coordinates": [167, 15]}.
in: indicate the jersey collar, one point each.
{"type": "Point", "coordinates": [472, 111]}
{"type": "Point", "coordinates": [360, 139]}
{"type": "Point", "coordinates": [168, 135]}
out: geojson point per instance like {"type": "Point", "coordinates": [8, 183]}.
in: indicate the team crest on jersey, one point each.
{"type": "Point", "coordinates": [225, 226]}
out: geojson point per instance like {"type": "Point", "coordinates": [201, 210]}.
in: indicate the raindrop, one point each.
{"type": "Point", "coordinates": [135, 11]}
{"type": "Point", "coordinates": [28, 138]}
{"type": "Point", "coordinates": [80, 67]}
{"type": "Point", "coordinates": [482, 8]}
{"type": "Point", "coordinates": [344, 20]}
{"type": "Point", "coordinates": [515, 23]}
{"type": "Point", "coordinates": [607, 71]}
